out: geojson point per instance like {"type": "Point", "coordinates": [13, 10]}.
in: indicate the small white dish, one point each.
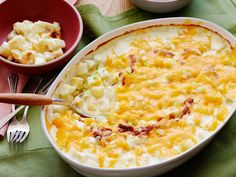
{"type": "Point", "coordinates": [160, 6]}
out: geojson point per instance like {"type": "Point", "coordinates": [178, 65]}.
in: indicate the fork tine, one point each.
{"type": "Point", "coordinates": [24, 136]}
{"type": "Point", "coordinates": [15, 136]}
{"type": "Point", "coordinates": [12, 135]}
{"type": "Point", "coordinates": [8, 136]}
{"type": "Point", "coordinates": [20, 136]}
{"type": "Point", "coordinates": [44, 89]}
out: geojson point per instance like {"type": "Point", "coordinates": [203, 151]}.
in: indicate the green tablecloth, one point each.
{"type": "Point", "coordinates": [37, 158]}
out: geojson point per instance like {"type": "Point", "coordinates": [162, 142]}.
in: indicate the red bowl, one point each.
{"type": "Point", "coordinates": [61, 11]}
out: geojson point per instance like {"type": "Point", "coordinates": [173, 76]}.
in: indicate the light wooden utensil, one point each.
{"type": "Point", "coordinates": [40, 100]}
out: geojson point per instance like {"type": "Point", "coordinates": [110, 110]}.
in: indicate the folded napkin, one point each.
{"type": "Point", "coordinates": [4, 87]}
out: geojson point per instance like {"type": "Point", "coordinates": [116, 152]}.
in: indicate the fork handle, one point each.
{"type": "Point", "coordinates": [25, 99]}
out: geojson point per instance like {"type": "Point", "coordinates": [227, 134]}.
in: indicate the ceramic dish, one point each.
{"type": "Point", "coordinates": [161, 6]}
{"type": "Point", "coordinates": [64, 13]}
{"type": "Point", "coordinates": [155, 168]}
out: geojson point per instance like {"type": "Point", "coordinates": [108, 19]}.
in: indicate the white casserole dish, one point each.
{"type": "Point", "coordinates": [151, 170]}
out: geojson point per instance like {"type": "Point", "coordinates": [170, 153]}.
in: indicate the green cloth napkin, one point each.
{"type": "Point", "coordinates": [35, 157]}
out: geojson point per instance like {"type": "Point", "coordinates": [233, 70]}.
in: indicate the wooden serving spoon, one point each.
{"type": "Point", "coordinates": [35, 99]}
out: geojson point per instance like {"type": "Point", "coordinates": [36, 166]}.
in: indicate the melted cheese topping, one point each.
{"type": "Point", "coordinates": [156, 92]}
{"type": "Point", "coordinates": [33, 43]}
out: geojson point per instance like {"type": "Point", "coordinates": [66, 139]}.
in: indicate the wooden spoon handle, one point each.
{"type": "Point", "coordinates": [25, 99]}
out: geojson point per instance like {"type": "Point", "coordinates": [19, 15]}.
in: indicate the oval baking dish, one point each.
{"type": "Point", "coordinates": [154, 168]}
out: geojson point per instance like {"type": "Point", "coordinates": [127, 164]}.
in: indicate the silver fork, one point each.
{"type": "Point", "coordinates": [12, 81]}
{"type": "Point", "coordinates": [41, 91]}
{"type": "Point", "coordinates": [22, 129]}
{"type": "Point", "coordinates": [44, 89]}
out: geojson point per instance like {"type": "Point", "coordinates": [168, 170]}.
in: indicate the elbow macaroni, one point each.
{"type": "Point", "coordinates": [156, 92]}
{"type": "Point", "coordinates": [33, 43]}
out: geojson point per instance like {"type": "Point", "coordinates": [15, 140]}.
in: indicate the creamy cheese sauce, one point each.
{"type": "Point", "coordinates": [157, 91]}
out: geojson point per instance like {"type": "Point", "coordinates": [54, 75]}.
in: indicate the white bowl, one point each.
{"type": "Point", "coordinates": [160, 6]}
{"type": "Point", "coordinates": [150, 170]}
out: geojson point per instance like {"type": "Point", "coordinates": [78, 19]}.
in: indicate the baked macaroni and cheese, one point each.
{"type": "Point", "coordinates": [33, 42]}
{"type": "Point", "coordinates": [155, 93]}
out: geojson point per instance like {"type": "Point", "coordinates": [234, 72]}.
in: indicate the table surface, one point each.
{"type": "Point", "coordinates": [217, 160]}
{"type": "Point", "coordinates": [109, 7]}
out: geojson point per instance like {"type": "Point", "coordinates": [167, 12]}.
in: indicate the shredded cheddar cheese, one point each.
{"type": "Point", "coordinates": [156, 92]}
